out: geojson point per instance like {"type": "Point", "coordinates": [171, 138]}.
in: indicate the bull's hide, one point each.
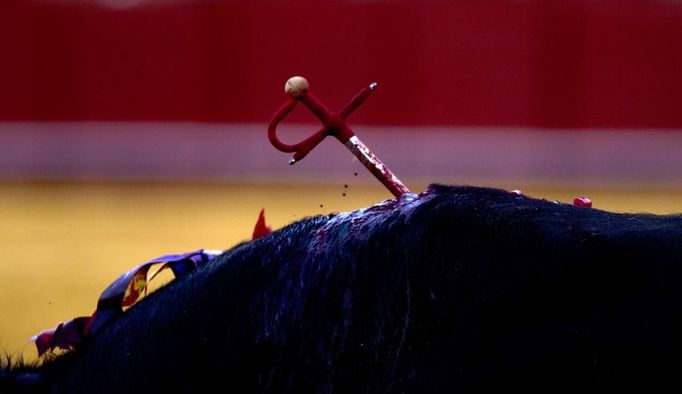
{"type": "Point", "coordinates": [456, 289]}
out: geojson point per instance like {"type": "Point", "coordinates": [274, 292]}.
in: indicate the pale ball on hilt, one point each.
{"type": "Point", "coordinates": [296, 87]}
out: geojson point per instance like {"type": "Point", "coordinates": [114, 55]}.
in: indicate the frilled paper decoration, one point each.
{"type": "Point", "coordinates": [261, 229]}
{"type": "Point", "coordinates": [121, 293]}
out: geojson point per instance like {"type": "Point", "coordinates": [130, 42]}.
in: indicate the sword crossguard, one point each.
{"type": "Point", "coordinates": [333, 123]}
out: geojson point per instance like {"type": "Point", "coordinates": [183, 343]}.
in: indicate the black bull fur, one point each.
{"type": "Point", "coordinates": [459, 289]}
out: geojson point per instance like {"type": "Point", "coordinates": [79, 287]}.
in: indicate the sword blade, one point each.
{"type": "Point", "coordinates": [376, 167]}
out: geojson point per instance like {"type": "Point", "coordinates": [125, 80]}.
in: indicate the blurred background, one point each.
{"type": "Point", "coordinates": [135, 128]}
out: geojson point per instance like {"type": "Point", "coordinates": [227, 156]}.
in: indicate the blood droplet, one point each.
{"type": "Point", "coordinates": [582, 202]}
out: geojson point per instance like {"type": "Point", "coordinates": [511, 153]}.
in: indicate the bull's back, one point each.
{"type": "Point", "coordinates": [457, 288]}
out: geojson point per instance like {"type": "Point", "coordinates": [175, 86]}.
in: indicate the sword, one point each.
{"type": "Point", "coordinates": [333, 124]}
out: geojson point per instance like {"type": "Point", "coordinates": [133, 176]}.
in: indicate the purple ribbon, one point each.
{"type": "Point", "coordinates": [122, 292]}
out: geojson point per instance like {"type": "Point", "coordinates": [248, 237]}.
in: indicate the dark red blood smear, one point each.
{"type": "Point", "coordinates": [355, 174]}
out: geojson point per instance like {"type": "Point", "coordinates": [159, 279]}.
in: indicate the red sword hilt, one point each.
{"type": "Point", "coordinates": [334, 124]}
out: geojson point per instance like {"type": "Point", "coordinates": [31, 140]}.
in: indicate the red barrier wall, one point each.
{"type": "Point", "coordinates": [546, 63]}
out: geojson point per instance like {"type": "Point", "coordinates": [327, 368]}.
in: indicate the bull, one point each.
{"type": "Point", "coordinates": [454, 289]}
